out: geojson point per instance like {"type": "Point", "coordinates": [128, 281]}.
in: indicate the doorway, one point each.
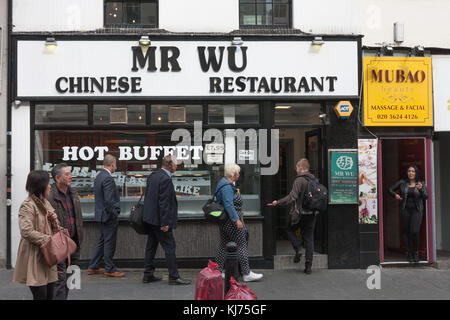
{"type": "Point", "coordinates": [296, 144]}
{"type": "Point", "coordinates": [395, 155]}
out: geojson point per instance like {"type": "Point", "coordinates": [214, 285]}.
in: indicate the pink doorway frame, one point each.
{"type": "Point", "coordinates": [429, 203]}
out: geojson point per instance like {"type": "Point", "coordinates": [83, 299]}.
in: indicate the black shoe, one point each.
{"type": "Point", "coordinates": [179, 281]}
{"type": "Point", "coordinates": [297, 257]}
{"type": "Point", "coordinates": [151, 279]}
{"type": "Point", "coordinates": [416, 257]}
{"type": "Point", "coordinates": [410, 257]}
{"type": "Point", "coordinates": [307, 269]}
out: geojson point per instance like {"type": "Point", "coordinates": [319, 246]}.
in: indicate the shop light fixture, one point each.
{"type": "Point", "coordinates": [318, 41]}
{"type": "Point", "coordinates": [387, 50]}
{"type": "Point", "coordinates": [144, 41]}
{"type": "Point", "coordinates": [283, 107]}
{"type": "Point", "coordinates": [50, 44]}
{"type": "Point", "coordinates": [418, 51]}
{"type": "Point", "coordinates": [237, 41]}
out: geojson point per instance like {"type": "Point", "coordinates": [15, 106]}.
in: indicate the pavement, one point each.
{"type": "Point", "coordinates": [323, 284]}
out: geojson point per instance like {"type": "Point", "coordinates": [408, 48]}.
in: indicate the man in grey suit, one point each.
{"type": "Point", "coordinates": [107, 210]}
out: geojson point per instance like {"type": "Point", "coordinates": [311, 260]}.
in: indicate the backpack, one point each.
{"type": "Point", "coordinates": [213, 211]}
{"type": "Point", "coordinates": [316, 195]}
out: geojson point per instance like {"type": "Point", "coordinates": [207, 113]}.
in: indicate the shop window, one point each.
{"type": "Point", "coordinates": [117, 114]}
{"type": "Point", "coordinates": [176, 114]}
{"type": "Point", "coordinates": [194, 182]}
{"type": "Point", "coordinates": [233, 114]}
{"type": "Point", "coordinates": [129, 13]}
{"type": "Point", "coordinates": [297, 113]}
{"type": "Point", "coordinates": [61, 114]}
{"type": "Point", "coordinates": [265, 13]}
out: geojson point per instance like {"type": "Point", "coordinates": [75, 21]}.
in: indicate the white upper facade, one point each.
{"type": "Point", "coordinates": [425, 22]}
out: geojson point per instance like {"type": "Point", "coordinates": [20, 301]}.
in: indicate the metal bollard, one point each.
{"type": "Point", "coordinates": [231, 265]}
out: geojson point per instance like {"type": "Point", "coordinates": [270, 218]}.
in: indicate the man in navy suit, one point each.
{"type": "Point", "coordinates": [161, 213]}
{"type": "Point", "coordinates": [107, 210]}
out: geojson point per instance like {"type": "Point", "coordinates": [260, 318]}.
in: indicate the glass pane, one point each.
{"type": "Point", "coordinates": [264, 14]}
{"type": "Point", "coordinates": [148, 13]}
{"type": "Point", "coordinates": [61, 114]}
{"type": "Point", "coordinates": [233, 114]}
{"type": "Point", "coordinates": [135, 114]}
{"type": "Point", "coordinates": [114, 13]}
{"type": "Point", "coordinates": [247, 15]}
{"type": "Point", "coordinates": [297, 113]}
{"type": "Point", "coordinates": [281, 14]}
{"type": "Point", "coordinates": [164, 114]}
{"type": "Point", "coordinates": [194, 183]}
{"type": "Point", "coordinates": [131, 13]}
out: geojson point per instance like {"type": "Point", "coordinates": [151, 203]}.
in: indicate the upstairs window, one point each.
{"type": "Point", "coordinates": [265, 13]}
{"type": "Point", "coordinates": [131, 13]}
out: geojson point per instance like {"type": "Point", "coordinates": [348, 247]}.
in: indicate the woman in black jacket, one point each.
{"type": "Point", "coordinates": [412, 193]}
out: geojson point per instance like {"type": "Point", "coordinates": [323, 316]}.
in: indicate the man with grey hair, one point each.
{"type": "Point", "coordinates": [161, 214]}
{"type": "Point", "coordinates": [66, 203]}
{"type": "Point", "coordinates": [107, 210]}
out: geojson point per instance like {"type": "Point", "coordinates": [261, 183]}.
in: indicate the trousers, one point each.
{"type": "Point", "coordinates": [411, 220]}
{"type": "Point", "coordinates": [307, 224]}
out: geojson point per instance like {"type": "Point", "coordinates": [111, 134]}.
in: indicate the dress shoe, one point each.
{"type": "Point", "coordinates": [116, 274]}
{"type": "Point", "coordinates": [308, 269]}
{"type": "Point", "coordinates": [95, 271]}
{"type": "Point", "coordinates": [179, 281]}
{"type": "Point", "coordinates": [297, 256]}
{"type": "Point", "coordinates": [151, 279]}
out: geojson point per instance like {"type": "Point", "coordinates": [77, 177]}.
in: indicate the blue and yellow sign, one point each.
{"type": "Point", "coordinates": [343, 109]}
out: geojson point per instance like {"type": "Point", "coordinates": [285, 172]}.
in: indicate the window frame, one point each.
{"type": "Point", "coordinates": [266, 26]}
{"type": "Point", "coordinates": [127, 25]}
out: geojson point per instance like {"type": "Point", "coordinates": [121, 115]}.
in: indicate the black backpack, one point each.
{"type": "Point", "coordinates": [316, 195]}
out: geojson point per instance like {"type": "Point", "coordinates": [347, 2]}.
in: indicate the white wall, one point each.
{"type": "Point", "coordinates": [425, 21]}
{"type": "Point", "coordinates": [20, 161]}
{"type": "Point", "coordinates": [3, 117]}
{"type": "Point", "coordinates": [199, 15]}
{"type": "Point", "coordinates": [57, 15]}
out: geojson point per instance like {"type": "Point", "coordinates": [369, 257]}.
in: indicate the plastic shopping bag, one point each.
{"type": "Point", "coordinates": [239, 291]}
{"type": "Point", "coordinates": [209, 284]}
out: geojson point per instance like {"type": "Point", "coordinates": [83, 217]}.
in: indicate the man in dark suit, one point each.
{"type": "Point", "coordinates": [107, 210]}
{"type": "Point", "coordinates": [161, 213]}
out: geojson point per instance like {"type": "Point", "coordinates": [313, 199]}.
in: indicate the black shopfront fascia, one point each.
{"type": "Point", "coordinates": [266, 122]}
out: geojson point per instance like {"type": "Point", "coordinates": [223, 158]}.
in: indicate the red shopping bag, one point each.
{"type": "Point", "coordinates": [209, 284]}
{"type": "Point", "coordinates": [239, 291]}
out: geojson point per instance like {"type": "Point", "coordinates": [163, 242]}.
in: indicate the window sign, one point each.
{"type": "Point", "coordinates": [343, 175]}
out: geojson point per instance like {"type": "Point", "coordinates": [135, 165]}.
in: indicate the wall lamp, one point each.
{"type": "Point", "coordinates": [387, 51]}
{"type": "Point", "coordinates": [418, 51]}
{"type": "Point", "coordinates": [237, 41]}
{"type": "Point", "coordinates": [325, 119]}
{"type": "Point", "coordinates": [317, 41]}
{"type": "Point", "coordinates": [144, 41]}
{"type": "Point", "coordinates": [50, 45]}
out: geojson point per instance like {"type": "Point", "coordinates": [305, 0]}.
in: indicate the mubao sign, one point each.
{"type": "Point", "coordinates": [397, 91]}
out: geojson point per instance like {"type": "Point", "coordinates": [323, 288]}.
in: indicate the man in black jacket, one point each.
{"type": "Point", "coordinates": [66, 203]}
{"type": "Point", "coordinates": [161, 213]}
{"type": "Point", "coordinates": [107, 210]}
{"type": "Point", "coordinates": [299, 218]}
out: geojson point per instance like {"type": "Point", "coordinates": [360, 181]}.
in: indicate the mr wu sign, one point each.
{"type": "Point", "coordinates": [343, 175]}
{"type": "Point", "coordinates": [187, 69]}
{"type": "Point", "coordinates": [398, 91]}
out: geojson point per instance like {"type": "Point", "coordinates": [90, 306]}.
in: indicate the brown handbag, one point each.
{"type": "Point", "coordinates": [58, 248]}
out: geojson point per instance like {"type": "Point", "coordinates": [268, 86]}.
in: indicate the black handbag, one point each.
{"type": "Point", "coordinates": [137, 218]}
{"type": "Point", "coordinates": [214, 211]}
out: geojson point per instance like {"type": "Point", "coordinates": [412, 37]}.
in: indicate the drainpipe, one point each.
{"type": "Point", "coordinates": [9, 85]}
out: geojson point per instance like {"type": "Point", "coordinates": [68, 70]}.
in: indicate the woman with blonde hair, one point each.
{"type": "Point", "coordinates": [37, 223]}
{"type": "Point", "coordinates": [233, 228]}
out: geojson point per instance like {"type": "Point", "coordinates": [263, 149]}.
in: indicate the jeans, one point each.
{"type": "Point", "coordinates": [43, 292]}
{"type": "Point", "coordinates": [411, 221]}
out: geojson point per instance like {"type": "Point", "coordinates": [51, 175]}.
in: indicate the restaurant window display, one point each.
{"type": "Point", "coordinates": [139, 153]}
